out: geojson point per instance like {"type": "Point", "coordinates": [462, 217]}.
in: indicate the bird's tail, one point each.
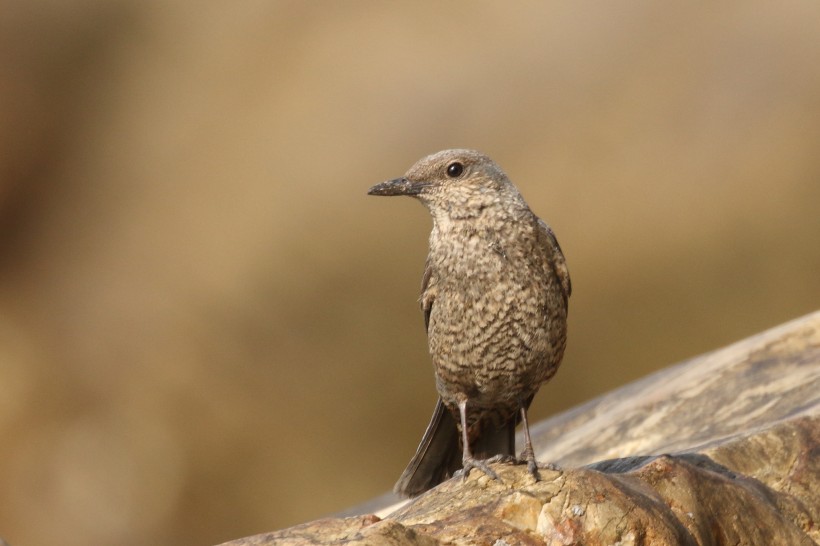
{"type": "Point", "coordinates": [439, 453]}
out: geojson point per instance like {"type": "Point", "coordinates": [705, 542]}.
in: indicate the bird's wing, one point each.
{"type": "Point", "coordinates": [428, 293]}
{"type": "Point", "coordinates": [558, 262]}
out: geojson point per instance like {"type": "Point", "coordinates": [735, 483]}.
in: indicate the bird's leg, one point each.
{"type": "Point", "coordinates": [528, 454]}
{"type": "Point", "coordinates": [468, 462]}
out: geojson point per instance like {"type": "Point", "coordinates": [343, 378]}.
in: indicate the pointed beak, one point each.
{"type": "Point", "coordinates": [398, 186]}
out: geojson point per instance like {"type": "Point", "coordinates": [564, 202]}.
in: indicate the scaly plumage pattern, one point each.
{"type": "Point", "coordinates": [494, 297]}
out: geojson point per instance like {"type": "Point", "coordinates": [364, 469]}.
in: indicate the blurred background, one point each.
{"type": "Point", "coordinates": [208, 330]}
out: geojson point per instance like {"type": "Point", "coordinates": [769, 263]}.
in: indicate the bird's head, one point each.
{"type": "Point", "coordinates": [455, 183]}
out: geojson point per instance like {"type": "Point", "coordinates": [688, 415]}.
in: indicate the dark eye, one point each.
{"type": "Point", "coordinates": [455, 169]}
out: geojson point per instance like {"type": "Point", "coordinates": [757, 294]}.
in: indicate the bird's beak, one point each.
{"type": "Point", "coordinates": [397, 186]}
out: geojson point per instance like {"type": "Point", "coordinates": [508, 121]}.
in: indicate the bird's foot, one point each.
{"type": "Point", "coordinates": [468, 463]}
{"type": "Point", "coordinates": [528, 457]}
{"type": "Point", "coordinates": [534, 466]}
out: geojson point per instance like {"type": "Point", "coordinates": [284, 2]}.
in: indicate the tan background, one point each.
{"type": "Point", "coordinates": [208, 330]}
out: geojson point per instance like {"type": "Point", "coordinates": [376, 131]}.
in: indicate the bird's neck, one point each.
{"type": "Point", "coordinates": [452, 234]}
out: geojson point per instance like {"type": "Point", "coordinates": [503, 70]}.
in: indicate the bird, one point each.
{"type": "Point", "coordinates": [494, 296]}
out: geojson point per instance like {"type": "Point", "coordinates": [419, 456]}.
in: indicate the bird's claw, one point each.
{"type": "Point", "coordinates": [544, 466]}
{"type": "Point", "coordinates": [468, 464]}
{"type": "Point", "coordinates": [533, 466]}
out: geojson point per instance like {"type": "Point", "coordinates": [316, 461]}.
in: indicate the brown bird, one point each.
{"type": "Point", "coordinates": [494, 296]}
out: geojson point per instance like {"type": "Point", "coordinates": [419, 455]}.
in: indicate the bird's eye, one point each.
{"type": "Point", "coordinates": [455, 169]}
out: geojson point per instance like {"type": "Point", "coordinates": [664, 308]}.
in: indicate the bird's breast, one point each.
{"type": "Point", "coordinates": [491, 331]}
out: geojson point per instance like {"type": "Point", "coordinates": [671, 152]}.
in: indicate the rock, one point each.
{"type": "Point", "coordinates": [721, 449]}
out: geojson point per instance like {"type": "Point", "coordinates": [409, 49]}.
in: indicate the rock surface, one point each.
{"type": "Point", "coordinates": [721, 449]}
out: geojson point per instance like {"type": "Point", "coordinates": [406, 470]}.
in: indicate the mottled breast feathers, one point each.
{"type": "Point", "coordinates": [546, 238]}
